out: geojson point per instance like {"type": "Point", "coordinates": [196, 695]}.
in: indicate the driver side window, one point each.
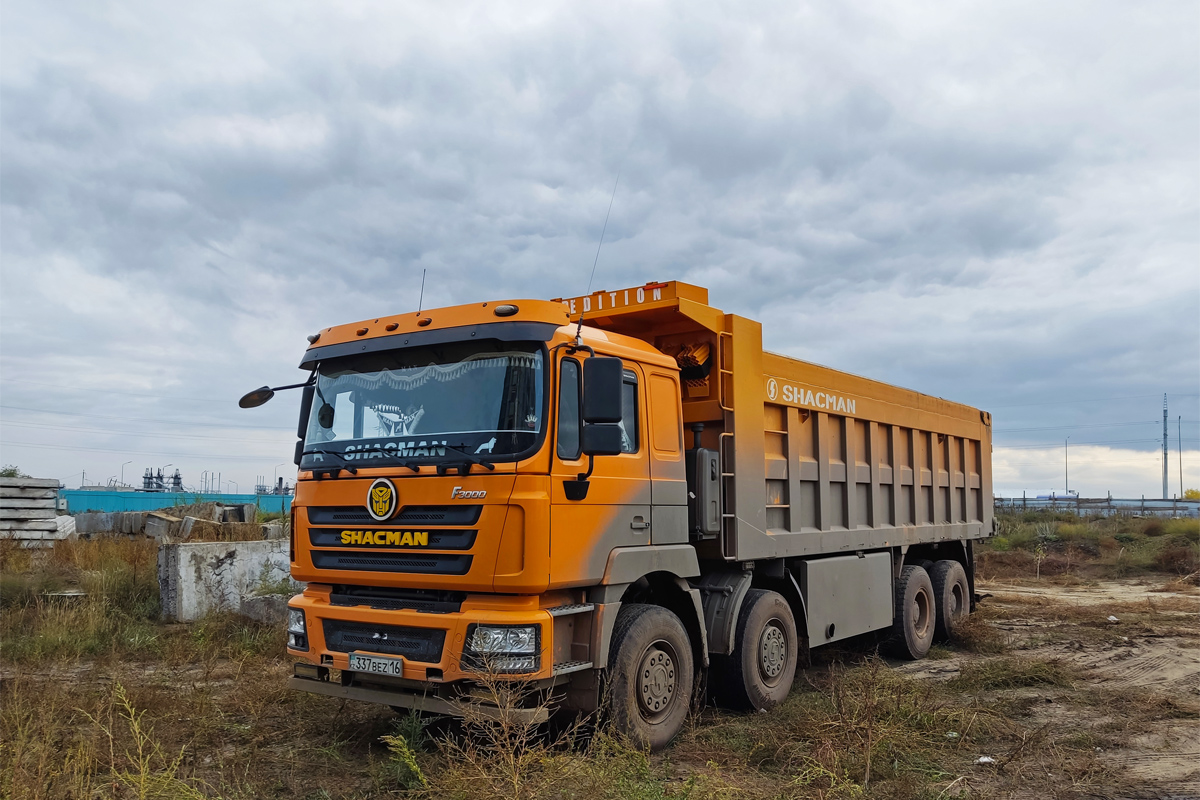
{"type": "Point", "coordinates": [569, 444]}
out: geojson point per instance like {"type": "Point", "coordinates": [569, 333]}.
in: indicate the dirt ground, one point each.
{"type": "Point", "coordinates": [1127, 640]}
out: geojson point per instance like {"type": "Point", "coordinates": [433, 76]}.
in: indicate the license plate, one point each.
{"type": "Point", "coordinates": [377, 665]}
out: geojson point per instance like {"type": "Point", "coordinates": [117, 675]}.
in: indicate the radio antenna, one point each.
{"type": "Point", "coordinates": [579, 329]}
{"type": "Point", "coordinates": [421, 300]}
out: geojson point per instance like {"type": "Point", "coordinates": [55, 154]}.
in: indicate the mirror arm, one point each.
{"type": "Point", "coordinates": [583, 476]}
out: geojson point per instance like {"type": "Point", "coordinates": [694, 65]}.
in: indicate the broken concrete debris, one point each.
{"type": "Point", "coordinates": [208, 522]}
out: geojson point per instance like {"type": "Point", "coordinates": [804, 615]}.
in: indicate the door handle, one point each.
{"type": "Point", "coordinates": [639, 524]}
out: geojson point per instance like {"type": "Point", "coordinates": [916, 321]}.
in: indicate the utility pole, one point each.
{"type": "Point", "coordinates": [1165, 451]}
{"type": "Point", "coordinates": [1066, 468]}
{"type": "Point", "coordinates": [1179, 441]}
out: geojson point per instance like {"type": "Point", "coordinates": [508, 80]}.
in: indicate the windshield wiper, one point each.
{"type": "Point", "coordinates": [330, 471]}
{"type": "Point", "coordinates": [463, 469]}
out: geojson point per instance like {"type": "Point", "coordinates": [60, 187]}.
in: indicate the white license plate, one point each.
{"type": "Point", "coordinates": [377, 665]}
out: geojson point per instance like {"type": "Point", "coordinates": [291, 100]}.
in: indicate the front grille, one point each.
{"type": "Point", "coordinates": [429, 601]}
{"type": "Point", "coordinates": [432, 564]}
{"type": "Point", "coordinates": [417, 644]}
{"type": "Point", "coordinates": [438, 539]}
{"type": "Point", "coordinates": [429, 515]}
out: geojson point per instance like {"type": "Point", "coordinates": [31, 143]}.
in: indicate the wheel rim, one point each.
{"type": "Point", "coordinates": [957, 600]}
{"type": "Point", "coordinates": [920, 613]}
{"type": "Point", "coordinates": [656, 681]}
{"type": "Point", "coordinates": [772, 652]}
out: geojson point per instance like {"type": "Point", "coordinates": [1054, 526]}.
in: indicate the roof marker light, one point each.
{"type": "Point", "coordinates": [506, 310]}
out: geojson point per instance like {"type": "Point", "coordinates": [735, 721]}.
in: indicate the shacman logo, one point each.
{"type": "Point", "coordinates": [398, 538]}
{"type": "Point", "coordinates": [381, 499]}
{"type": "Point", "coordinates": [772, 389]}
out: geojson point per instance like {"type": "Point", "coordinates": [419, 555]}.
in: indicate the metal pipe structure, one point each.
{"type": "Point", "coordinates": [1165, 497]}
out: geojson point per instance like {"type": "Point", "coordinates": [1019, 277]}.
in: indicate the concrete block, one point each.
{"type": "Point", "coordinates": [27, 513]}
{"type": "Point", "coordinates": [27, 502]}
{"type": "Point", "coordinates": [249, 513]}
{"type": "Point", "coordinates": [185, 527]}
{"type": "Point", "coordinates": [66, 527]}
{"type": "Point", "coordinates": [162, 527]}
{"type": "Point", "coordinates": [22, 493]}
{"type": "Point", "coordinates": [94, 522]}
{"type": "Point", "coordinates": [28, 483]}
{"type": "Point", "coordinates": [273, 530]}
{"type": "Point", "coordinates": [28, 525]}
{"type": "Point", "coordinates": [198, 578]}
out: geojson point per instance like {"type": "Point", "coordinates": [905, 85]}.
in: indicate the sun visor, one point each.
{"type": "Point", "coordinates": [503, 331]}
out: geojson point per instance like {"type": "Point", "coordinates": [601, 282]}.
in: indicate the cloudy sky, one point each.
{"type": "Point", "coordinates": [997, 203]}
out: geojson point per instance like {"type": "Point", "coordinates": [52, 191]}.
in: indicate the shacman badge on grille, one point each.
{"type": "Point", "coordinates": [381, 499]}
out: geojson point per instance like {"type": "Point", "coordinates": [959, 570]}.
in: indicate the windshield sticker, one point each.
{"type": "Point", "coordinates": [362, 452]}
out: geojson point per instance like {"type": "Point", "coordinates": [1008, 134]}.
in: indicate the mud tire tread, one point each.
{"type": "Point", "coordinates": [647, 622]}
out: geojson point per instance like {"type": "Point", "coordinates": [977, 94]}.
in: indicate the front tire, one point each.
{"type": "Point", "coordinates": [915, 614]}
{"type": "Point", "coordinates": [759, 673]}
{"type": "Point", "coordinates": [651, 675]}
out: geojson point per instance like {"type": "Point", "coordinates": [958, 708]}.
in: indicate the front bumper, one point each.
{"type": "Point", "coordinates": [431, 644]}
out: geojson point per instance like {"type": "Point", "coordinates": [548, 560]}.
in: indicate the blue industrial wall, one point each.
{"type": "Point", "coordinates": [81, 500]}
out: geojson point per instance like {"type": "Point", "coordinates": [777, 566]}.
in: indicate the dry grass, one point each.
{"type": "Point", "coordinates": [1044, 544]}
{"type": "Point", "coordinates": [98, 699]}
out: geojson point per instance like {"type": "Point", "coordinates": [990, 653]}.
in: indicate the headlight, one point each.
{"type": "Point", "coordinates": [297, 632]}
{"type": "Point", "coordinates": [487, 639]}
{"type": "Point", "coordinates": [503, 649]}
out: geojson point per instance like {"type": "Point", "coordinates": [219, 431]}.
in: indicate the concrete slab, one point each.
{"type": "Point", "coordinates": [198, 578]}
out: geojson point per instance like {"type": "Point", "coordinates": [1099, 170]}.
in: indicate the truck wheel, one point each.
{"type": "Point", "coordinates": [758, 674]}
{"type": "Point", "coordinates": [651, 675]}
{"type": "Point", "coordinates": [916, 614]}
{"type": "Point", "coordinates": [952, 594]}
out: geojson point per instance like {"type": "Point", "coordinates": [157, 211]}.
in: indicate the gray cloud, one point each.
{"type": "Point", "coordinates": [995, 203]}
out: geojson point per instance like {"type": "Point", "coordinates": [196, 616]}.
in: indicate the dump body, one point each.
{"type": "Point", "coordinates": [449, 519]}
{"type": "Point", "coordinates": [815, 460]}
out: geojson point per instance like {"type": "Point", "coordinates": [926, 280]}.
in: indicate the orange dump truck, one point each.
{"type": "Point", "coordinates": [608, 511]}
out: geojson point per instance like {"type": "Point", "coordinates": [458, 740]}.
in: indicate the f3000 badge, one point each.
{"type": "Point", "coordinates": [381, 499]}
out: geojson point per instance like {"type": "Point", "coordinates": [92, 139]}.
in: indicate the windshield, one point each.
{"type": "Point", "coordinates": [482, 398]}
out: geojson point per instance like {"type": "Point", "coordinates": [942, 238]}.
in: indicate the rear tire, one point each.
{"type": "Point", "coordinates": [952, 594]}
{"type": "Point", "coordinates": [759, 673]}
{"type": "Point", "coordinates": [651, 675]}
{"type": "Point", "coordinates": [915, 614]}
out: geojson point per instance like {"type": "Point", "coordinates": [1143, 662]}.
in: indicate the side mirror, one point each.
{"type": "Point", "coordinates": [602, 377]}
{"type": "Point", "coordinates": [325, 416]}
{"type": "Point", "coordinates": [257, 397]}
{"type": "Point", "coordinates": [602, 439]}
